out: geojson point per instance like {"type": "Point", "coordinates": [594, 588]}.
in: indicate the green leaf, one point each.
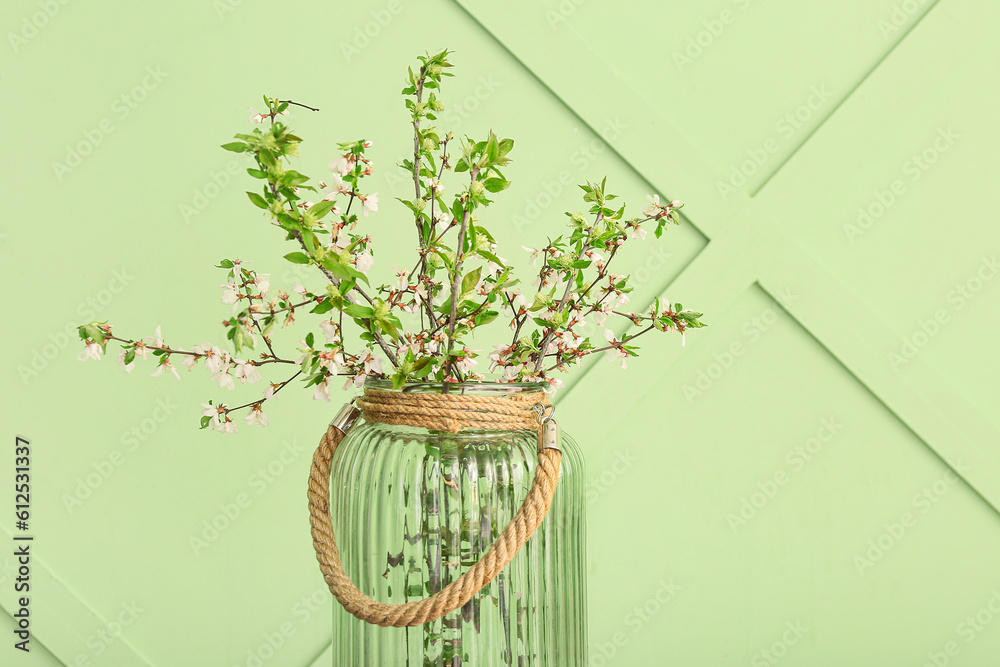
{"type": "Point", "coordinates": [267, 158]}
{"type": "Point", "coordinates": [309, 339]}
{"type": "Point", "coordinates": [324, 306]}
{"type": "Point", "coordinates": [224, 264]}
{"type": "Point", "coordinates": [490, 256]}
{"type": "Point", "coordinates": [471, 279]}
{"type": "Point", "coordinates": [358, 311]}
{"type": "Point", "coordinates": [398, 380]}
{"type": "Point", "coordinates": [236, 146]}
{"type": "Point", "coordinates": [257, 200]}
{"type": "Point", "coordinates": [496, 184]}
{"type": "Point", "coordinates": [296, 258]}
{"type": "Point", "coordinates": [321, 209]}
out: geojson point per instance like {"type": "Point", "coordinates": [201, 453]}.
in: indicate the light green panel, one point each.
{"type": "Point", "coordinates": [131, 234]}
{"type": "Point", "coordinates": [938, 296]}
{"type": "Point", "coordinates": [701, 63]}
{"type": "Point", "coordinates": [821, 466]}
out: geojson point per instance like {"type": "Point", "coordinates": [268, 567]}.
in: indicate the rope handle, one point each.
{"type": "Point", "coordinates": [453, 596]}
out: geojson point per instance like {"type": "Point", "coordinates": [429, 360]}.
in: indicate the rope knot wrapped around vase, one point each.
{"type": "Point", "coordinates": [453, 412]}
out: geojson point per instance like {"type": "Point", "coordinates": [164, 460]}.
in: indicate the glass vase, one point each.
{"type": "Point", "coordinates": [414, 508]}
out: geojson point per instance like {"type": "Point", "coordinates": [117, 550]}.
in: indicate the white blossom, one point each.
{"type": "Point", "coordinates": [329, 328]}
{"type": "Point", "coordinates": [341, 165]}
{"type": "Point", "coordinates": [364, 262]}
{"type": "Point", "coordinates": [653, 209]}
{"type": "Point", "coordinates": [369, 204]}
{"type": "Point", "coordinates": [224, 379]}
{"type": "Point", "coordinates": [91, 351]}
{"type": "Point", "coordinates": [130, 365]}
{"type": "Point", "coordinates": [614, 353]}
{"type": "Point", "coordinates": [322, 391]}
{"type": "Point", "coordinates": [165, 365]}
{"type": "Point", "coordinates": [255, 116]}
{"type": "Point", "coordinates": [256, 416]}
{"type": "Point", "coordinates": [535, 254]}
{"type": "Point", "coordinates": [443, 220]}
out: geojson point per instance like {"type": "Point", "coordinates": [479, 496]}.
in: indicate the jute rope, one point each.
{"type": "Point", "coordinates": [444, 412]}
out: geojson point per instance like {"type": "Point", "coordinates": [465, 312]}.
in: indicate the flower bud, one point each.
{"type": "Point", "coordinates": [429, 144]}
{"type": "Point", "coordinates": [438, 106]}
{"type": "Point", "coordinates": [476, 188]}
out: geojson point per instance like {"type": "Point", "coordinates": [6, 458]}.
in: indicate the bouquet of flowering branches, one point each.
{"type": "Point", "coordinates": [418, 326]}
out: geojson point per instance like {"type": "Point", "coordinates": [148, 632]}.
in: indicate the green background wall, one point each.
{"type": "Point", "coordinates": [813, 480]}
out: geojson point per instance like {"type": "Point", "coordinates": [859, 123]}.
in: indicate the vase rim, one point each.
{"type": "Point", "coordinates": [459, 387]}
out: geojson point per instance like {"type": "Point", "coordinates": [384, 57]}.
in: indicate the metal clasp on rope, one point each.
{"type": "Point", "coordinates": [548, 437]}
{"type": "Point", "coordinates": [346, 418]}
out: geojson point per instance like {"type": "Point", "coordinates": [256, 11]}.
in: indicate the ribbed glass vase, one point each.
{"type": "Point", "coordinates": [413, 509]}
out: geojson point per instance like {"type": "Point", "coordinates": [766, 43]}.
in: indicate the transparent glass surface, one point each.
{"type": "Point", "coordinates": [413, 509]}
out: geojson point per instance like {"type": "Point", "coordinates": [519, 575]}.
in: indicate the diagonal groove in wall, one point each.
{"type": "Point", "coordinates": [61, 610]}
{"type": "Point", "coordinates": [847, 96]}
{"type": "Point", "coordinates": [919, 413]}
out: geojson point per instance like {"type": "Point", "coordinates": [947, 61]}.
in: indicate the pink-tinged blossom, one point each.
{"type": "Point", "coordinates": [638, 232]}
{"type": "Point", "coordinates": [372, 362]}
{"type": "Point", "coordinates": [227, 426]}
{"type": "Point", "coordinates": [596, 258]}
{"type": "Point", "coordinates": [246, 372]}
{"type": "Point", "coordinates": [554, 383]}
{"type": "Point", "coordinates": [500, 357]}
{"type": "Point", "coordinates": [465, 363]}
{"type": "Point", "coordinates": [342, 165]}
{"type": "Point", "coordinates": [330, 360]}
{"type": "Point", "coordinates": [91, 351]}
{"type": "Point", "coordinates": [256, 416]}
